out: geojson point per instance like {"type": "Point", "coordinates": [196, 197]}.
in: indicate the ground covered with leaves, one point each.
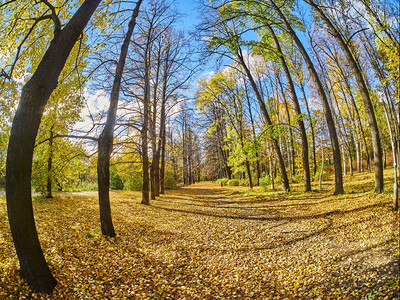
{"type": "Point", "coordinates": [207, 241]}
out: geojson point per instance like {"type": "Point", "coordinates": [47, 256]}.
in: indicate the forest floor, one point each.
{"type": "Point", "coordinates": [205, 241]}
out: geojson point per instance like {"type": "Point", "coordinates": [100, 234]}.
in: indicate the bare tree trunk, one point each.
{"type": "Point", "coordinates": [369, 109]}
{"type": "Point", "coordinates": [155, 165]}
{"type": "Point", "coordinates": [395, 161]}
{"type": "Point", "coordinates": [325, 103]}
{"type": "Point", "coordinates": [344, 161]}
{"type": "Point", "coordinates": [312, 129]}
{"type": "Point", "coordinates": [282, 168]}
{"type": "Point", "coordinates": [254, 136]}
{"type": "Point", "coordinates": [322, 159]}
{"type": "Point", "coordinates": [34, 97]}
{"type": "Point", "coordinates": [146, 116]}
{"type": "Point", "coordinates": [105, 143]}
{"type": "Point", "coordinates": [383, 147]}
{"type": "Point", "coordinates": [291, 151]}
{"type": "Point", "coordinates": [350, 162]}
{"type": "Point", "coordinates": [162, 165]}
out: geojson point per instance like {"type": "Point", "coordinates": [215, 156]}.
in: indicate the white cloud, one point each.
{"type": "Point", "coordinates": [96, 105]}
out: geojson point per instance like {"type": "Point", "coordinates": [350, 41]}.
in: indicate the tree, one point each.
{"type": "Point", "coordinates": [34, 97]}
{"type": "Point", "coordinates": [227, 34]}
{"type": "Point", "coordinates": [304, 142]}
{"type": "Point", "coordinates": [327, 110]}
{"type": "Point", "coordinates": [369, 109]}
{"type": "Point", "coordinates": [105, 142]}
{"type": "Point", "coordinates": [222, 89]}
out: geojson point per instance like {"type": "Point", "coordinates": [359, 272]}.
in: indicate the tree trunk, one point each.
{"type": "Point", "coordinates": [325, 103]}
{"type": "Point", "coordinates": [162, 140]}
{"type": "Point", "coordinates": [350, 162]}
{"type": "Point", "coordinates": [144, 146]}
{"type": "Point", "coordinates": [300, 122]}
{"type": "Point", "coordinates": [291, 151]}
{"type": "Point", "coordinates": [344, 162]}
{"type": "Point", "coordinates": [105, 143]}
{"type": "Point", "coordinates": [395, 160]}
{"type": "Point", "coordinates": [162, 164]}
{"type": "Point", "coordinates": [369, 108]}
{"type": "Point", "coordinates": [312, 129]}
{"type": "Point", "coordinates": [145, 155]}
{"type": "Point", "coordinates": [322, 160]}
{"type": "Point", "coordinates": [255, 143]}
{"type": "Point", "coordinates": [49, 165]}
{"type": "Point", "coordinates": [34, 97]}
{"type": "Point", "coordinates": [155, 164]}
{"type": "Point", "coordinates": [282, 168]}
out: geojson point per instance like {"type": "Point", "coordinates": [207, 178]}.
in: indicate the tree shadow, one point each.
{"type": "Point", "coordinates": [274, 218]}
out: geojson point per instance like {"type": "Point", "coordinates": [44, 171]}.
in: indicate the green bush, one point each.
{"type": "Point", "coordinates": [133, 182]}
{"type": "Point", "coordinates": [222, 181]}
{"type": "Point", "coordinates": [297, 178]}
{"type": "Point", "coordinates": [115, 180]}
{"type": "Point", "coordinates": [88, 186]}
{"type": "Point", "coordinates": [325, 173]}
{"type": "Point", "coordinates": [169, 181]}
{"type": "Point", "coordinates": [244, 182]}
{"type": "Point", "coordinates": [264, 182]}
{"type": "Point", "coordinates": [233, 182]}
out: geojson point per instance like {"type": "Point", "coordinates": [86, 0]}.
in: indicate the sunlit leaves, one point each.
{"type": "Point", "coordinates": [211, 242]}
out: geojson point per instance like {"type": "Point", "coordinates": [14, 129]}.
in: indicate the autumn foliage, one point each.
{"type": "Point", "coordinates": [206, 241]}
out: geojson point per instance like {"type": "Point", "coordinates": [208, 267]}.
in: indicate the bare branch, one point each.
{"type": "Point", "coordinates": [54, 16]}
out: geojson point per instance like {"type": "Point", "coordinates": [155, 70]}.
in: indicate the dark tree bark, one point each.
{"type": "Point", "coordinates": [155, 164]}
{"type": "Point", "coordinates": [369, 108]}
{"type": "Point", "coordinates": [162, 163]}
{"type": "Point", "coordinates": [337, 158]}
{"type": "Point", "coordinates": [49, 165]}
{"type": "Point", "coordinates": [145, 155]}
{"type": "Point", "coordinates": [105, 143]}
{"type": "Point", "coordinates": [254, 134]}
{"type": "Point", "coordinates": [300, 122]}
{"type": "Point", "coordinates": [34, 97]}
{"type": "Point", "coordinates": [267, 119]}
{"type": "Point", "coordinates": [162, 140]}
{"type": "Point", "coordinates": [312, 128]}
{"type": "Point", "coordinates": [290, 150]}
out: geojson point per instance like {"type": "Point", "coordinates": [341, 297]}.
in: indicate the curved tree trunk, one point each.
{"type": "Point", "coordinates": [267, 119]}
{"type": "Point", "coordinates": [312, 128]}
{"type": "Point", "coordinates": [105, 143]}
{"type": "Point", "coordinates": [291, 152]}
{"type": "Point", "coordinates": [300, 122]}
{"type": "Point", "coordinates": [34, 97]}
{"type": "Point", "coordinates": [337, 158]}
{"type": "Point", "coordinates": [369, 108]}
{"type": "Point", "coordinates": [253, 129]}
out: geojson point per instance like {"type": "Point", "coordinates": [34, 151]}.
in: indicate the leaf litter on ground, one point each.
{"type": "Point", "coordinates": [210, 242]}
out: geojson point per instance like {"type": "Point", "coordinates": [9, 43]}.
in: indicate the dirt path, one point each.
{"type": "Point", "coordinates": [211, 242]}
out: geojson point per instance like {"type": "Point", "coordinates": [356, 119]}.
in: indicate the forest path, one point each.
{"type": "Point", "coordinates": [205, 241]}
{"type": "Point", "coordinates": [207, 198]}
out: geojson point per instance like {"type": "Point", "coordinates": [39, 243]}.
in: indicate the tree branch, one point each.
{"type": "Point", "coordinates": [54, 16]}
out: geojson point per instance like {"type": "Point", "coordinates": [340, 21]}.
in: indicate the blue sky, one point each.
{"type": "Point", "coordinates": [191, 13]}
